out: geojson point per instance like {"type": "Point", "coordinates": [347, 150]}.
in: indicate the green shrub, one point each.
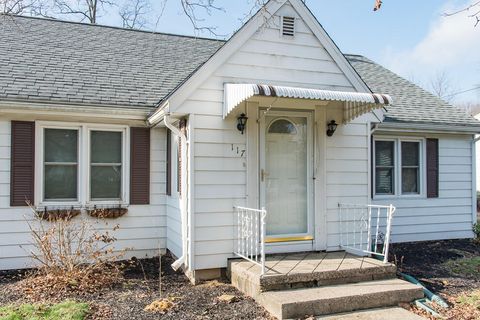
{"type": "Point", "coordinates": [476, 230]}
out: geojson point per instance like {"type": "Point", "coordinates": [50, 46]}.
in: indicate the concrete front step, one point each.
{"type": "Point", "coordinates": [395, 313]}
{"type": "Point", "coordinates": [307, 270]}
{"type": "Point", "coordinates": [297, 303]}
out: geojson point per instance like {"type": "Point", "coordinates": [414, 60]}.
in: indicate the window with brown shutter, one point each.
{"type": "Point", "coordinates": [22, 174]}
{"type": "Point", "coordinates": [140, 166]}
{"type": "Point", "coordinates": [169, 163]}
{"type": "Point", "coordinates": [432, 168]}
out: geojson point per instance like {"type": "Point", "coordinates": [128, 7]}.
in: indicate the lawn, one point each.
{"type": "Point", "coordinates": [68, 310]}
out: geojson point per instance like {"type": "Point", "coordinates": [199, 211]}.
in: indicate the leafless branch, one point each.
{"type": "Point", "coordinates": [17, 7]}
{"type": "Point", "coordinates": [86, 9]}
{"type": "Point", "coordinates": [191, 7]}
{"type": "Point", "coordinates": [441, 86]}
{"type": "Point", "coordinates": [134, 12]}
{"type": "Point", "coordinates": [473, 11]}
{"type": "Point", "coordinates": [160, 15]}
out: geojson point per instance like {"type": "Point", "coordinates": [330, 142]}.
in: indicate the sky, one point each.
{"type": "Point", "coordinates": [410, 37]}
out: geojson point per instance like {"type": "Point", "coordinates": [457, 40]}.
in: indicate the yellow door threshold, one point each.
{"type": "Point", "coordinates": [288, 239]}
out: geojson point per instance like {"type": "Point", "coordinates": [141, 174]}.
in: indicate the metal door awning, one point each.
{"type": "Point", "coordinates": [356, 103]}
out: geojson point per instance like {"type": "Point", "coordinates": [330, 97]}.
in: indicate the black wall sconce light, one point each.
{"type": "Point", "coordinates": [331, 127]}
{"type": "Point", "coordinates": [242, 122]}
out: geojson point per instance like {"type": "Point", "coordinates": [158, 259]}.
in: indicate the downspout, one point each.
{"type": "Point", "coordinates": [474, 178]}
{"type": "Point", "coordinates": [370, 132]}
{"type": "Point", "coordinates": [184, 215]}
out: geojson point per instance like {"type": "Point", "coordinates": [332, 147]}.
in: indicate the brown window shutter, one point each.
{"type": "Point", "coordinates": [372, 168]}
{"type": "Point", "coordinates": [169, 163]}
{"type": "Point", "coordinates": [22, 175]}
{"type": "Point", "coordinates": [432, 168]}
{"type": "Point", "coordinates": [139, 165]}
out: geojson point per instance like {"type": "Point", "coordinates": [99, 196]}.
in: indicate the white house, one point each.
{"type": "Point", "coordinates": [101, 116]}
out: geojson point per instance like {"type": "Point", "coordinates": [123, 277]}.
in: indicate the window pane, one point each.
{"type": "Point", "coordinates": [384, 154]}
{"type": "Point", "coordinates": [410, 180]}
{"type": "Point", "coordinates": [410, 153]}
{"type": "Point", "coordinates": [61, 145]}
{"type": "Point", "coordinates": [282, 126]}
{"type": "Point", "coordinates": [106, 147]}
{"type": "Point", "coordinates": [60, 182]}
{"type": "Point", "coordinates": [384, 181]}
{"type": "Point", "coordinates": [105, 182]}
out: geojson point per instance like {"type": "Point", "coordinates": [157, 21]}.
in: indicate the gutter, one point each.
{"type": "Point", "coordinates": [184, 214]}
{"type": "Point", "coordinates": [429, 128]}
{"type": "Point", "coordinates": [159, 114]}
{"type": "Point", "coordinates": [117, 111]}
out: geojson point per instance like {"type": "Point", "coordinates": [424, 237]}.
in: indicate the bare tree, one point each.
{"type": "Point", "coordinates": [441, 86]}
{"type": "Point", "coordinates": [134, 14]}
{"type": "Point", "coordinates": [18, 7]}
{"type": "Point", "coordinates": [85, 9]}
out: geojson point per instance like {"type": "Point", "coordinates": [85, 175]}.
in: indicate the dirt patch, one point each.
{"type": "Point", "coordinates": [139, 289]}
{"type": "Point", "coordinates": [449, 268]}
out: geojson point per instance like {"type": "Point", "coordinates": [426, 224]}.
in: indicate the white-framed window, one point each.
{"type": "Point", "coordinates": [60, 164]}
{"type": "Point", "coordinates": [81, 164]}
{"type": "Point", "coordinates": [398, 166]}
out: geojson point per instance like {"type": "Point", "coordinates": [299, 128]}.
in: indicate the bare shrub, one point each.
{"type": "Point", "coordinates": [72, 257]}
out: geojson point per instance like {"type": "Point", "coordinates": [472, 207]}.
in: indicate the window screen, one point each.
{"type": "Point", "coordinates": [60, 164]}
{"type": "Point", "coordinates": [105, 165]}
{"type": "Point", "coordinates": [384, 167]}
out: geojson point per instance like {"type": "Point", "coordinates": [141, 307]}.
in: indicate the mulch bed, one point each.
{"type": "Point", "coordinates": [429, 262]}
{"type": "Point", "coordinates": [140, 287]}
{"type": "Point", "coordinates": [425, 261]}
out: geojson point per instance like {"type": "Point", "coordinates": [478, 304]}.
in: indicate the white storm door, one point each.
{"type": "Point", "coordinates": [286, 175]}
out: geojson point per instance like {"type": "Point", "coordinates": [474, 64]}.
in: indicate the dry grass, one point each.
{"type": "Point", "coordinates": [72, 257]}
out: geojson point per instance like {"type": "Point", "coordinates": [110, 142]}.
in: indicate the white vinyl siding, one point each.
{"type": "Point", "coordinates": [450, 215]}
{"type": "Point", "coordinates": [220, 169]}
{"type": "Point", "coordinates": [143, 228]}
{"type": "Point", "coordinates": [347, 179]}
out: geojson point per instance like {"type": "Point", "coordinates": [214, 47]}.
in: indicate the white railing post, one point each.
{"type": "Point", "coordinates": [361, 217]}
{"type": "Point", "coordinates": [251, 235]}
{"type": "Point", "coordinates": [386, 244]}
{"type": "Point", "coordinates": [262, 241]}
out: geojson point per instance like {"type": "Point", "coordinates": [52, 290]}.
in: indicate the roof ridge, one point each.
{"type": "Point", "coordinates": [47, 19]}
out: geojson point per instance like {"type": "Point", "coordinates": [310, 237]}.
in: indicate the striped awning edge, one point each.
{"type": "Point", "coordinates": [356, 103]}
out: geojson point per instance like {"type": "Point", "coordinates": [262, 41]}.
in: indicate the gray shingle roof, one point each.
{"type": "Point", "coordinates": [411, 103]}
{"type": "Point", "coordinates": [56, 61]}
{"type": "Point", "coordinates": [47, 60]}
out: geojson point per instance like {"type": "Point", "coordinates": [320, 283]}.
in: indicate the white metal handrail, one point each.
{"type": "Point", "coordinates": [250, 243]}
{"type": "Point", "coordinates": [366, 229]}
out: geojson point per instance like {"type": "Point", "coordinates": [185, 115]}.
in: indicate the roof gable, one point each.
{"type": "Point", "coordinates": [248, 32]}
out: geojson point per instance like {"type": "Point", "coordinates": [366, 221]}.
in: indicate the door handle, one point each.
{"type": "Point", "coordinates": [263, 174]}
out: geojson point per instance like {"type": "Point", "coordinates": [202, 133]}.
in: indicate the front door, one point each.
{"type": "Point", "coordinates": [286, 176]}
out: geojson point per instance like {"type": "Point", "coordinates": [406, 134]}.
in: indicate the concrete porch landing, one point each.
{"type": "Point", "coordinates": [310, 269]}
{"type": "Point", "coordinates": [320, 283]}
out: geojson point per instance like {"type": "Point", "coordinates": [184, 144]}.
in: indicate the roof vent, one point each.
{"type": "Point", "coordinates": [288, 26]}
